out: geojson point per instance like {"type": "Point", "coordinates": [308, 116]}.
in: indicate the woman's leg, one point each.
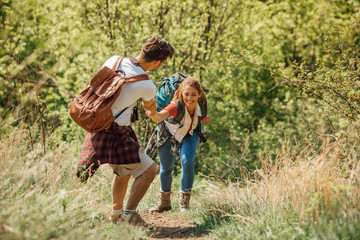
{"type": "Point", "coordinates": [187, 155]}
{"type": "Point", "coordinates": [167, 161]}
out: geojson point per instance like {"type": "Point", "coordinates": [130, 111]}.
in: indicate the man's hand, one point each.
{"type": "Point", "coordinates": [149, 114]}
{"type": "Point", "coordinates": [150, 106]}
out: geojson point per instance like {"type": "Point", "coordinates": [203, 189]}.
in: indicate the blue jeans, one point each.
{"type": "Point", "coordinates": [167, 162]}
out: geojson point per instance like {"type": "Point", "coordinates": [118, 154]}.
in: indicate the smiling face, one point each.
{"type": "Point", "coordinates": [190, 93]}
{"type": "Point", "coordinates": [190, 97]}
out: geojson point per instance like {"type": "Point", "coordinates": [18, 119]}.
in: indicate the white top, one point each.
{"type": "Point", "coordinates": [179, 131]}
{"type": "Point", "coordinates": [130, 92]}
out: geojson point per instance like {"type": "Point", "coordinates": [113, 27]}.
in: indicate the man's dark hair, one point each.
{"type": "Point", "coordinates": [156, 48]}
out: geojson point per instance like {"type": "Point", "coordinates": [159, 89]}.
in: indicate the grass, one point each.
{"type": "Point", "coordinates": [309, 195]}
{"type": "Point", "coordinates": [41, 198]}
{"type": "Point", "coordinates": [305, 194]}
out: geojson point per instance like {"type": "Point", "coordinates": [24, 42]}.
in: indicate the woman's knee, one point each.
{"type": "Point", "coordinates": [187, 161]}
{"type": "Point", "coordinates": [187, 155]}
{"type": "Point", "coordinates": [164, 171]}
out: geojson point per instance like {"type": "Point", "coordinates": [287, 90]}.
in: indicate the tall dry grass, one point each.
{"type": "Point", "coordinates": [305, 192]}
{"type": "Point", "coordinates": [41, 198]}
{"type": "Point", "coordinates": [308, 182]}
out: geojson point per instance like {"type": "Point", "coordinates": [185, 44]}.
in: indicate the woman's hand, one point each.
{"type": "Point", "coordinates": [157, 116]}
{"type": "Point", "coordinates": [206, 119]}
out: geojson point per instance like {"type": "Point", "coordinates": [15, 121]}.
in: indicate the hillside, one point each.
{"type": "Point", "coordinates": [282, 80]}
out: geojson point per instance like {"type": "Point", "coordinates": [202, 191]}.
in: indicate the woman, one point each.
{"type": "Point", "coordinates": [190, 103]}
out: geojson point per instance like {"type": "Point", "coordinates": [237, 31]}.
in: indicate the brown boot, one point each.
{"type": "Point", "coordinates": [164, 203]}
{"type": "Point", "coordinates": [136, 220]}
{"type": "Point", "coordinates": [116, 217]}
{"type": "Point", "coordinates": [184, 201]}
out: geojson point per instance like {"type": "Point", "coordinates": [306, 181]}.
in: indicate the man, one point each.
{"type": "Point", "coordinates": [118, 146]}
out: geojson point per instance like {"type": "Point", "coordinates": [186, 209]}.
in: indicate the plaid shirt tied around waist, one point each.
{"type": "Point", "coordinates": [116, 145]}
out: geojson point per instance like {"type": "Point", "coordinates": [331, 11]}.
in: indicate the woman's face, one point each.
{"type": "Point", "coordinates": [190, 96]}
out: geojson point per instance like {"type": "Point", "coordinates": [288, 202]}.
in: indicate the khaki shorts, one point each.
{"type": "Point", "coordinates": [134, 169]}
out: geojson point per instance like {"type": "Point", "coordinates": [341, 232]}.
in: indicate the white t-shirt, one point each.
{"type": "Point", "coordinates": [130, 92]}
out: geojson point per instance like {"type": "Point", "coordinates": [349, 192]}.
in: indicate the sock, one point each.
{"type": "Point", "coordinates": [117, 212]}
{"type": "Point", "coordinates": [129, 212]}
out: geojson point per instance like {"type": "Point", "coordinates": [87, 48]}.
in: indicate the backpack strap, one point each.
{"type": "Point", "coordinates": [135, 78]}
{"type": "Point", "coordinates": [117, 63]}
{"type": "Point", "coordinates": [180, 111]}
{"type": "Point", "coordinates": [203, 108]}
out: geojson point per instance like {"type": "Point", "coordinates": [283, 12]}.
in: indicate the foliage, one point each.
{"type": "Point", "coordinates": [283, 81]}
{"type": "Point", "coordinates": [243, 51]}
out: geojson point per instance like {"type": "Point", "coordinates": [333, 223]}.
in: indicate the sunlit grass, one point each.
{"type": "Point", "coordinates": [302, 195]}
{"type": "Point", "coordinates": [41, 197]}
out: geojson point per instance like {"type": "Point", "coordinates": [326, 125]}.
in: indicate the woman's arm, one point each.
{"type": "Point", "coordinates": [158, 116]}
{"type": "Point", "coordinates": [206, 119]}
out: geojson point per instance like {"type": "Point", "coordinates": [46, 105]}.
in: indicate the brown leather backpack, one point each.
{"type": "Point", "coordinates": [91, 110]}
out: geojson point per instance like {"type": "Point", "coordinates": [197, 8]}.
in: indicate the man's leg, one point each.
{"type": "Point", "coordinates": [144, 173]}
{"type": "Point", "coordinates": [139, 187]}
{"type": "Point", "coordinates": [119, 187]}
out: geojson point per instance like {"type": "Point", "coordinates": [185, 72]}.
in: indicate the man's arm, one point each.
{"type": "Point", "coordinates": [150, 105]}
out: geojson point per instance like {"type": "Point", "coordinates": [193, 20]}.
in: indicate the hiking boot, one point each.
{"type": "Point", "coordinates": [117, 217]}
{"type": "Point", "coordinates": [164, 203]}
{"type": "Point", "coordinates": [136, 220]}
{"type": "Point", "coordinates": [184, 201]}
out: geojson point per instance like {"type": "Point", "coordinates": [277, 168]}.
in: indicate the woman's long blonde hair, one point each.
{"type": "Point", "coordinates": [192, 82]}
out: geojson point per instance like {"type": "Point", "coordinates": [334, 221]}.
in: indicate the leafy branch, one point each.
{"type": "Point", "coordinates": [331, 94]}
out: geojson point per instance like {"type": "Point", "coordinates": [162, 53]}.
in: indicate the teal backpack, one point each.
{"type": "Point", "coordinates": [165, 92]}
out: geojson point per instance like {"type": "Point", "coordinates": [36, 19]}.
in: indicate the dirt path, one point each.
{"type": "Point", "coordinates": [170, 227]}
